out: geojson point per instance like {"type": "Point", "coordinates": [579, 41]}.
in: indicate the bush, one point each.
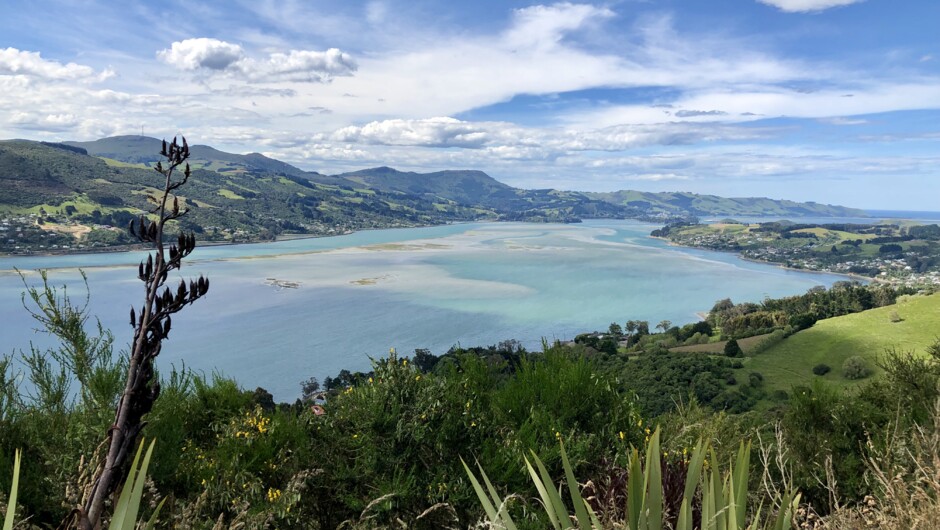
{"type": "Point", "coordinates": [821, 369]}
{"type": "Point", "coordinates": [855, 368]}
{"type": "Point", "coordinates": [732, 349]}
{"type": "Point", "coordinates": [895, 317]}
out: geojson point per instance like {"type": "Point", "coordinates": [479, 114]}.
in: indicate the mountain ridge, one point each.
{"type": "Point", "coordinates": [245, 197]}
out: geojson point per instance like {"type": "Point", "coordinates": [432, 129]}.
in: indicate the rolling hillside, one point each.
{"type": "Point", "coordinates": [710, 205]}
{"type": "Point", "coordinates": [833, 340]}
{"type": "Point", "coordinates": [56, 194]}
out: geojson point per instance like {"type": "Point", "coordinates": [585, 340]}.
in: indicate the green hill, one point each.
{"type": "Point", "coordinates": [683, 203]}
{"type": "Point", "coordinates": [77, 190]}
{"type": "Point", "coordinates": [832, 341]}
{"type": "Point", "coordinates": [69, 191]}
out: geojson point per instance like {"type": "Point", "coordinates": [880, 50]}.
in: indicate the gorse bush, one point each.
{"type": "Point", "coordinates": [855, 368]}
{"type": "Point", "coordinates": [821, 369]}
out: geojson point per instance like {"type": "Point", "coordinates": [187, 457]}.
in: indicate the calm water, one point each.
{"type": "Point", "coordinates": [361, 294]}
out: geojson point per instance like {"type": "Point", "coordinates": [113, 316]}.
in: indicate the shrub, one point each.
{"type": "Point", "coordinates": [732, 349]}
{"type": "Point", "coordinates": [821, 369]}
{"type": "Point", "coordinates": [895, 317]}
{"type": "Point", "coordinates": [855, 368]}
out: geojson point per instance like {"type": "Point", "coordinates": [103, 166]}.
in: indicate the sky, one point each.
{"type": "Point", "coordinates": [834, 101]}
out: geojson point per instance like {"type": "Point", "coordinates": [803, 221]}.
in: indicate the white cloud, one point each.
{"type": "Point", "coordinates": [805, 6]}
{"type": "Point", "coordinates": [31, 64]}
{"type": "Point", "coordinates": [545, 26]}
{"type": "Point", "coordinates": [507, 140]}
{"type": "Point", "coordinates": [301, 65]}
{"type": "Point", "coordinates": [216, 56]}
{"type": "Point", "coordinates": [195, 54]}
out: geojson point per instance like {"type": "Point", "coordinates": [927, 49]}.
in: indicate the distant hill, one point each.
{"type": "Point", "coordinates": [251, 196]}
{"type": "Point", "coordinates": [679, 203]}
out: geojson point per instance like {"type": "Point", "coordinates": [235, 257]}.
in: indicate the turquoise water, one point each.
{"type": "Point", "coordinates": [361, 294]}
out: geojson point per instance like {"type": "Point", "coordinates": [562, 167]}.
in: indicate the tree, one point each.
{"type": "Point", "coordinates": [732, 349]}
{"type": "Point", "coordinates": [631, 327]}
{"type": "Point", "coordinates": [642, 327]}
{"type": "Point", "coordinates": [151, 326]}
{"type": "Point", "coordinates": [615, 329]}
{"type": "Point", "coordinates": [664, 325]}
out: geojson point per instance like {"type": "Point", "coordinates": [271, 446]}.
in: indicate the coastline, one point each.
{"type": "Point", "coordinates": [856, 277]}
{"type": "Point", "coordinates": [287, 237]}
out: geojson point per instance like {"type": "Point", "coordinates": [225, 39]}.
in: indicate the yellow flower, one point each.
{"type": "Point", "coordinates": [273, 494]}
{"type": "Point", "coordinates": [621, 435]}
{"type": "Point", "coordinates": [418, 377]}
{"type": "Point", "coordinates": [473, 424]}
{"type": "Point", "coordinates": [370, 380]}
{"type": "Point", "coordinates": [355, 436]}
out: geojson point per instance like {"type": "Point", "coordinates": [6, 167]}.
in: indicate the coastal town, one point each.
{"type": "Point", "coordinates": [900, 254]}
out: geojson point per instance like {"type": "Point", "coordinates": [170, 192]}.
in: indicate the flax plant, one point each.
{"type": "Point", "coordinates": [722, 498]}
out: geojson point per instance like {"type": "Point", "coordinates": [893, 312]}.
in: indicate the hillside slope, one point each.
{"type": "Point", "coordinates": [832, 341]}
{"type": "Point", "coordinates": [712, 205]}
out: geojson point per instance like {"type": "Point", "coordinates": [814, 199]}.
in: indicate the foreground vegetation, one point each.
{"type": "Point", "coordinates": [385, 448]}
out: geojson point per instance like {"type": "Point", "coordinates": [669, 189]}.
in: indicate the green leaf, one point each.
{"type": "Point", "coordinates": [543, 493]}
{"type": "Point", "coordinates": [125, 512]}
{"type": "Point", "coordinates": [654, 483]}
{"type": "Point", "coordinates": [481, 494]}
{"type": "Point", "coordinates": [694, 471]}
{"type": "Point", "coordinates": [11, 505]}
{"type": "Point", "coordinates": [741, 470]}
{"type": "Point", "coordinates": [584, 521]}
{"type": "Point", "coordinates": [557, 504]}
{"type": "Point", "coordinates": [636, 494]}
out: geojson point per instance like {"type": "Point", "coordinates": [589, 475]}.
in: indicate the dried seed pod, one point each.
{"type": "Point", "coordinates": [166, 327]}
{"type": "Point", "coordinates": [133, 317]}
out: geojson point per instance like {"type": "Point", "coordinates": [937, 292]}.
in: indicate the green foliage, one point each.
{"type": "Point", "coordinates": [722, 501]}
{"type": "Point", "coordinates": [732, 349]}
{"type": "Point", "coordinates": [855, 368]}
{"type": "Point", "coordinates": [821, 369]}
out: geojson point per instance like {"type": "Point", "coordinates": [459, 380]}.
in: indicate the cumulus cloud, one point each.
{"type": "Point", "coordinates": [806, 6]}
{"type": "Point", "coordinates": [195, 54]}
{"type": "Point", "coordinates": [215, 56]}
{"type": "Point", "coordinates": [31, 64]}
{"type": "Point", "coordinates": [432, 132]}
{"type": "Point", "coordinates": [303, 65]}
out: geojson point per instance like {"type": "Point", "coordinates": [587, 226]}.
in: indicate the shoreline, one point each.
{"type": "Point", "coordinates": [287, 237]}
{"type": "Point", "coordinates": [857, 277]}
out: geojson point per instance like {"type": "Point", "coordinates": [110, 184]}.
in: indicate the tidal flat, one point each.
{"type": "Point", "coordinates": [353, 297]}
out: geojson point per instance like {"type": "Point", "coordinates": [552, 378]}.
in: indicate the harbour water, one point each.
{"type": "Point", "coordinates": [358, 295]}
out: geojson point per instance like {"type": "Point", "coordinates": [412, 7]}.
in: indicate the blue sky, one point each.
{"type": "Point", "coordinates": [836, 101]}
